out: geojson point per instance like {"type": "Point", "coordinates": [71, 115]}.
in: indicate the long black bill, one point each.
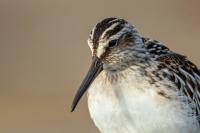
{"type": "Point", "coordinates": [95, 68]}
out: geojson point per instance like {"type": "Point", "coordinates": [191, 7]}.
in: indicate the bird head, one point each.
{"type": "Point", "coordinates": [115, 45]}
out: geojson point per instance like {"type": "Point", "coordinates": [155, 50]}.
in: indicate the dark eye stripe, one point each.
{"type": "Point", "coordinates": [98, 30]}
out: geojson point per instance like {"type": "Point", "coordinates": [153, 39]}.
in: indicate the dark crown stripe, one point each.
{"type": "Point", "coordinates": [115, 30]}
{"type": "Point", "coordinates": [102, 26]}
{"type": "Point", "coordinates": [98, 30]}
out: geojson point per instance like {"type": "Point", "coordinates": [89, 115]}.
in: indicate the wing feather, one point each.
{"type": "Point", "coordinates": [185, 74]}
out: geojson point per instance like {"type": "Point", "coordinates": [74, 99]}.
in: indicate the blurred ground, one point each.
{"type": "Point", "coordinates": [44, 55]}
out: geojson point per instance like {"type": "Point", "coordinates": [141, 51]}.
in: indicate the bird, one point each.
{"type": "Point", "coordinates": [137, 84]}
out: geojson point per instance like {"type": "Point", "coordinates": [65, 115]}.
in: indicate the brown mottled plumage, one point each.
{"type": "Point", "coordinates": [183, 72]}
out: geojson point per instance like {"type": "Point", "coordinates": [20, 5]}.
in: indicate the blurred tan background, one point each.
{"type": "Point", "coordinates": [44, 54]}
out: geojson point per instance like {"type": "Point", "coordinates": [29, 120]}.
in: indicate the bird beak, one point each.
{"type": "Point", "coordinates": [95, 68]}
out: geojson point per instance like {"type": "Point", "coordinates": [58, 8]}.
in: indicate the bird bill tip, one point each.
{"type": "Point", "coordinates": [95, 68]}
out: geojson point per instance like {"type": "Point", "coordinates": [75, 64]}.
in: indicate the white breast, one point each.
{"type": "Point", "coordinates": [132, 106]}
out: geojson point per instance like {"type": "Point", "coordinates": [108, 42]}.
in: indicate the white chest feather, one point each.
{"type": "Point", "coordinates": [132, 105]}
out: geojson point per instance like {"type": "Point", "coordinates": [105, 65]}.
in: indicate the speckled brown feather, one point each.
{"type": "Point", "coordinates": [183, 72]}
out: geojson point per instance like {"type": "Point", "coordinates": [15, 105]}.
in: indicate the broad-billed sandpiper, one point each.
{"type": "Point", "coordinates": [138, 85]}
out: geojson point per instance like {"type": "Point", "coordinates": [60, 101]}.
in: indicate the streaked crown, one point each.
{"type": "Point", "coordinates": [114, 38]}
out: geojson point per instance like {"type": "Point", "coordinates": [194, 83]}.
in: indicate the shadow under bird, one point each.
{"type": "Point", "coordinates": [138, 85]}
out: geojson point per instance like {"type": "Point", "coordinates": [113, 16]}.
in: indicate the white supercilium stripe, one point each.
{"type": "Point", "coordinates": [110, 28]}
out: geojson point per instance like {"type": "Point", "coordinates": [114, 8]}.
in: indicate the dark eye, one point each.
{"type": "Point", "coordinates": [112, 43]}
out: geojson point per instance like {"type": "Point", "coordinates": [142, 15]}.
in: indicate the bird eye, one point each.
{"type": "Point", "coordinates": [112, 43]}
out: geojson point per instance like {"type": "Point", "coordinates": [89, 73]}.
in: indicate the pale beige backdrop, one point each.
{"type": "Point", "coordinates": [44, 54]}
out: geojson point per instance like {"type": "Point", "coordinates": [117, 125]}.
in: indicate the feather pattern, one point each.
{"type": "Point", "coordinates": [181, 72]}
{"type": "Point", "coordinates": [143, 87]}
